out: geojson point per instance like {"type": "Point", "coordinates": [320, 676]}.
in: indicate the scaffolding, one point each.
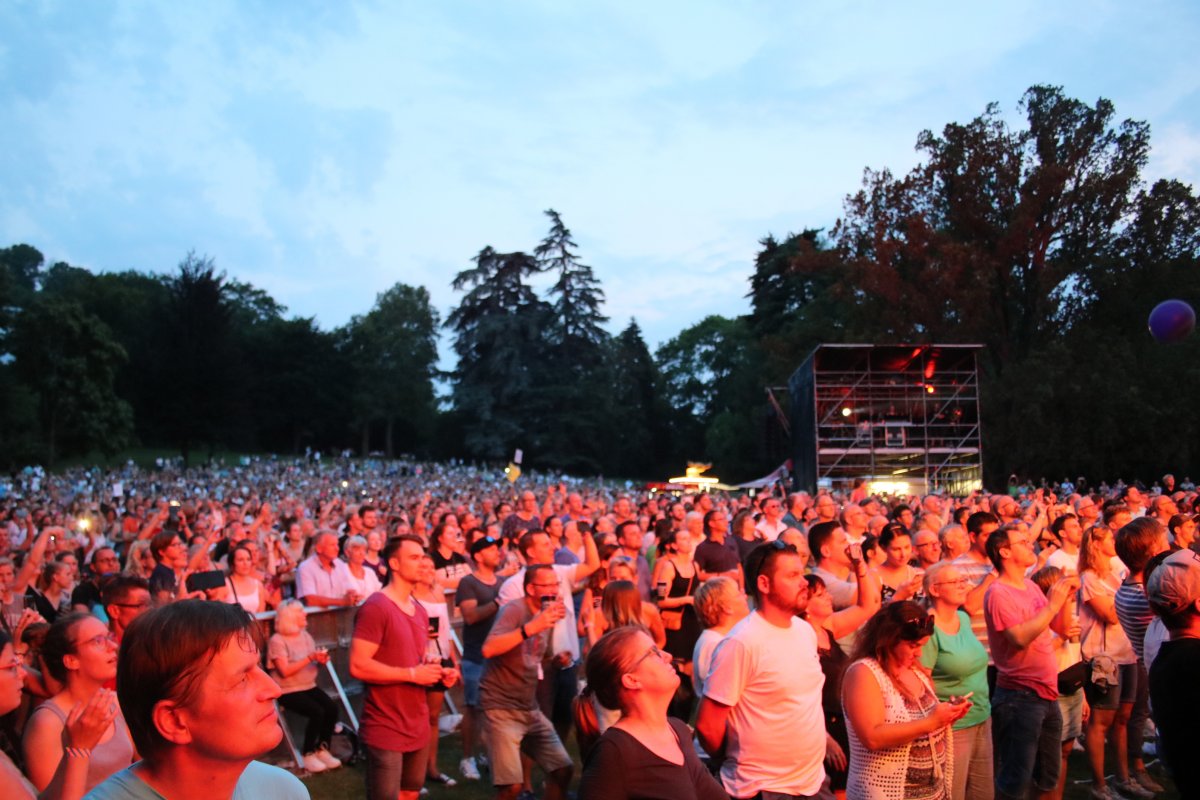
{"type": "Point", "coordinates": [898, 414]}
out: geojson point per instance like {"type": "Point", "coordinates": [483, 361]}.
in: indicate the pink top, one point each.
{"type": "Point", "coordinates": [1035, 667]}
{"type": "Point", "coordinates": [395, 715]}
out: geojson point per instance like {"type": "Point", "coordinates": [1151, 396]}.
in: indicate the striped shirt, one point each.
{"type": "Point", "coordinates": [976, 571]}
{"type": "Point", "coordinates": [1133, 610]}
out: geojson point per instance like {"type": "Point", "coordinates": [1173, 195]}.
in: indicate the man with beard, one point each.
{"type": "Point", "coordinates": [762, 697]}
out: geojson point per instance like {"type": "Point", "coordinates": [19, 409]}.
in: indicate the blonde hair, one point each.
{"type": "Point", "coordinates": [287, 617]}
{"type": "Point", "coordinates": [712, 600]}
{"type": "Point", "coordinates": [1087, 559]}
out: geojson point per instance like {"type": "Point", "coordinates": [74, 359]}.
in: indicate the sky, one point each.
{"type": "Point", "coordinates": [325, 151]}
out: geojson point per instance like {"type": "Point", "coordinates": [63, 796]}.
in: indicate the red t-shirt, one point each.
{"type": "Point", "coordinates": [395, 715]}
{"type": "Point", "coordinates": [1034, 667]}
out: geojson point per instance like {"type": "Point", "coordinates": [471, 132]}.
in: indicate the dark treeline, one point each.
{"type": "Point", "coordinates": [1041, 242]}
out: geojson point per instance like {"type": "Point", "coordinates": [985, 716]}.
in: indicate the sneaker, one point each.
{"type": "Point", "coordinates": [1147, 781]}
{"type": "Point", "coordinates": [442, 778]}
{"type": "Point", "coordinates": [331, 761]}
{"type": "Point", "coordinates": [468, 769]}
{"type": "Point", "coordinates": [1132, 789]}
{"type": "Point", "coordinates": [1101, 793]}
{"type": "Point", "coordinates": [313, 763]}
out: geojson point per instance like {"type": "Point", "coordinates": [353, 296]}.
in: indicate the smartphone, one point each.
{"type": "Point", "coordinates": [547, 601]}
{"type": "Point", "coordinates": [210, 579]}
{"type": "Point", "coordinates": [958, 700]}
{"type": "Point", "coordinates": [855, 552]}
{"type": "Point", "coordinates": [435, 627]}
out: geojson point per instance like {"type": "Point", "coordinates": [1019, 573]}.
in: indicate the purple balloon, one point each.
{"type": "Point", "coordinates": [1171, 321]}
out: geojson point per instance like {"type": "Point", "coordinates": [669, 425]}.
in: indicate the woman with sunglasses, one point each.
{"type": "Point", "coordinates": [645, 753]}
{"type": "Point", "coordinates": [80, 653]}
{"type": "Point", "coordinates": [899, 731]}
{"type": "Point", "coordinates": [958, 662]}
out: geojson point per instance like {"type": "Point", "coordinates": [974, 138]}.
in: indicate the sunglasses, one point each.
{"type": "Point", "coordinates": [913, 630]}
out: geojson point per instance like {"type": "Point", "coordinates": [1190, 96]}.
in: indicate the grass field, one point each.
{"type": "Point", "coordinates": [347, 783]}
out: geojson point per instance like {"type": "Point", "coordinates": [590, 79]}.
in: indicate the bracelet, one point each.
{"type": "Point", "coordinates": [524, 635]}
{"type": "Point", "coordinates": [78, 752]}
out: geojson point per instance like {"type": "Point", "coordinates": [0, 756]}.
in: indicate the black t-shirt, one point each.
{"type": "Point", "coordinates": [1175, 700]}
{"type": "Point", "coordinates": [712, 557]}
{"type": "Point", "coordinates": [621, 768]}
{"type": "Point", "coordinates": [474, 635]}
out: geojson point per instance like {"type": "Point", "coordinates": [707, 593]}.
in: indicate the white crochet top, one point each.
{"type": "Point", "coordinates": [882, 774]}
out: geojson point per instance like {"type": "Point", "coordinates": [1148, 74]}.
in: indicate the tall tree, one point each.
{"type": "Point", "coordinates": [569, 404]}
{"type": "Point", "coordinates": [637, 413]}
{"type": "Point", "coordinates": [200, 403]}
{"type": "Point", "coordinates": [69, 360]}
{"type": "Point", "coordinates": [497, 337]}
{"type": "Point", "coordinates": [394, 350]}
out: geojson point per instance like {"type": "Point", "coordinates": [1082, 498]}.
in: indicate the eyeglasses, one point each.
{"type": "Point", "coordinates": [13, 666]}
{"type": "Point", "coordinates": [97, 640]}
{"type": "Point", "coordinates": [955, 582]}
{"type": "Point", "coordinates": [653, 651]}
{"type": "Point", "coordinates": [143, 604]}
{"type": "Point", "coordinates": [915, 629]}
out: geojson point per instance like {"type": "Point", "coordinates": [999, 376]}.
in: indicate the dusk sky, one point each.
{"type": "Point", "coordinates": [324, 151]}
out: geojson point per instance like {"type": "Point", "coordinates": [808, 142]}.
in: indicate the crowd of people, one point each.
{"type": "Point", "coordinates": [745, 644]}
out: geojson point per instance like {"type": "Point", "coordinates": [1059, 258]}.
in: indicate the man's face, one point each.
{"type": "Point", "coordinates": [528, 502]}
{"type": "Point", "coordinates": [929, 549]}
{"type": "Point", "coordinates": [554, 527]}
{"type": "Point", "coordinates": [704, 503]}
{"type": "Point", "coordinates": [856, 518]}
{"type": "Point", "coordinates": [176, 554]}
{"type": "Point", "coordinates": [785, 588]}
{"type": "Point", "coordinates": [489, 557]}
{"type": "Point", "coordinates": [1120, 520]}
{"type": "Point", "coordinates": [826, 510]}
{"type": "Point", "coordinates": [718, 523]}
{"type": "Point", "coordinates": [575, 504]}
{"type": "Point", "coordinates": [544, 584]}
{"type": "Point", "coordinates": [7, 574]}
{"type": "Point", "coordinates": [327, 547]}
{"type": "Point", "coordinates": [105, 562]}
{"type": "Point", "coordinates": [835, 549]}
{"type": "Point", "coordinates": [407, 562]}
{"type": "Point", "coordinates": [631, 537]}
{"type": "Point", "coordinates": [541, 550]}
{"type": "Point", "coordinates": [678, 512]}
{"type": "Point", "coordinates": [979, 541]}
{"type": "Point", "coordinates": [122, 613]}
{"type": "Point", "coordinates": [1072, 532]}
{"type": "Point", "coordinates": [233, 715]}
{"type": "Point", "coordinates": [1020, 549]}
{"type": "Point", "coordinates": [623, 508]}
{"type": "Point", "coordinates": [773, 510]}
{"type": "Point", "coordinates": [1134, 498]}
{"type": "Point", "coordinates": [370, 519]}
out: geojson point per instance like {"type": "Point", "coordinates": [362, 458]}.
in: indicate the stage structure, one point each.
{"type": "Point", "coordinates": [903, 417]}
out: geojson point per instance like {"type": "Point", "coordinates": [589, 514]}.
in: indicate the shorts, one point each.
{"type": "Point", "coordinates": [509, 732]}
{"type": "Point", "coordinates": [471, 673]}
{"type": "Point", "coordinates": [1107, 698]}
{"type": "Point", "coordinates": [1071, 707]}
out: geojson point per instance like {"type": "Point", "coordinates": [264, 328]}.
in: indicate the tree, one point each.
{"type": "Point", "coordinates": [639, 439]}
{"type": "Point", "coordinates": [712, 383]}
{"type": "Point", "coordinates": [569, 403]}
{"type": "Point", "coordinates": [394, 350]}
{"type": "Point", "coordinates": [497, 327]}
{"type": "Point", "coordinates": [69, 360]}
{"type": "Point", "coordinates": [200, 375]}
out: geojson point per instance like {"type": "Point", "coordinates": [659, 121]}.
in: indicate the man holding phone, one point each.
{"type": "Point", "coordinates": [517, 652]}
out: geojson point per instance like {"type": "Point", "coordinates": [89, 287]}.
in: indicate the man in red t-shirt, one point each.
{"type": "Point", "coordinates": [387, 654]}
{"type": "Point", "coordinates": [1026, 722]}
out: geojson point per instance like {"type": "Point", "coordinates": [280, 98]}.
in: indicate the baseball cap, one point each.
{"type": "Point", "coordinates": [1176, 583]}
{"type": "Point", "coordinates": [483, 543]}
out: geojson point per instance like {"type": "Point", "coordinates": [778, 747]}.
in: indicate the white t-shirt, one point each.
{"type": "Point", "coordinates": [566, 635]}
{"type": "Point", "coordinates": [702, 655]}
{"type": "Point", "coordinates": [1067, 562]}
{"type": "Point", "coordinates": [771, 678]}
{"type": "Point", "coordinates": [768, 531]}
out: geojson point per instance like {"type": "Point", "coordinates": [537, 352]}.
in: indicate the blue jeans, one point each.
{"type": "Point", "coordinates": [1027, 733]}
